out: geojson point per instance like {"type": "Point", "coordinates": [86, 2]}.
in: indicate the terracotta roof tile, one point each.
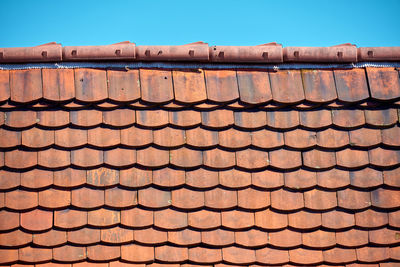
{"type": "Point", "coordinates": [353, 199]}
{"type": "Point", "coordinates": [319, 239]}
{"type": "Point", "coordinates": [86, 118]}
{"type": "Point", "coordinates": [90, 85]}
{"type": "Point", "coordinates": [9, 138]}
{"type": "Point", "coordinates": [217, 118]}
{"type": "Point", "coordinates": [15, 238]}
{"type": "Point", "coordinates": [185, 118]}
{"type": "Point", "coordinates": [168, 177]}
{"type": "Point", "coordinates": [4, 85]}
{"type": "Point", "coordinates": [220, 199]}
{"type": "Point", "coordinates": [339, 255]}
{"type": "Point", "coordinates": [116, 235]}
{"type": "Point", "coordinates": [351, 85]}
{"type": "Point", "coordinates": [205, 255]}
{"type": "Point", "coordinates": [136, 137]}
{"type": "Point", "coordinates": [189, 86]}
{"type": "Point", "coordinates": [102, 177]}
{"type": "Point", "coordinates": [20, 119]}
{"type": "Point", "coordinates": [50, 239]}
{"type": "Point", "coordinates": [150, 236]}
{"type": "Point", "coordinates": [218, 237]}
{"type": "Point", "coordinates": [170, 219]}
{"type": "Point", "coordinates": [348, 118]}
{"type": "Point", "coordinates": [390, 177]}
{"type": "Point", "coordinates": [53, 198]}
{"type": "Point", "coordinates": [381, 117]}
{"type": "Point", "coordinates": [120, 157]}
{"type": "Point", "coordinates": [385, 198]}
{"type": "Point", "coordinates": [331, 138]}
{"type": "Point", "coordinates": [69, 178]}
{"type": "Point", "coordinates": [305, 256]}
{"type": "Point", "coordinates": [267, 139]}
{"type": "Point", "coordinates": [184, 157]}
{"type": "Point", "coordinates": [315, 118]}
{"type": "Point", "coordinates": [300, 179]}
{"type": "Point", "coordinates": [104, 217]}
{"type": "Point", "coordinates": [103, 253]}
{"type": "Point", "coordinates": [285, 159]}
{"type": "Point", "coordinates": [217, 158]}
{"type": "Point", "coordinates": [87, 198]}
{"type": "Point", "coordinates": [337, 219]}
{"type": "Point", "coordinates": [304, 220]}
{"type": "Point", "coordinates": [204, 219]}
{"type": "Point", "coordinates": [286, 200]}
{"type": "Point", "coordinates": [9, 220]}
{"type": "Point", "coordinates": [319, 86]}
{"type": "Point", "coordinates": [384, 83]}
{"type": "Point", "coordinates": [252, 159]}
{"type": "Point", "coordinates": [366, 178]}
{"type": "Point", "coordinates": [185, 237]}
{"type": "Point", "coordinates": [283, 119]}
{"type": "Point", "coordinates": [394, 218]}
{"type": "Point", "coordinates": [123, 85]}
{"type": "Point", "coordinates": [69, 137]}
{"type": "Point", "coordinates": [365, 137]}
{"type": "Point", "coordinates": [21, 200]}
{"type": "Point", "coordinates": [134, 177]}
{"type": "Point", "coordinates": [389, 136]}
{"type": "Point", "coordinates": [84, 236]}
{"type": "Point", "coordinates": [29, 254]}
{"type": "Point", "coordinates": [156, 85]}
{"type": "Point", "coordinates": [54, 158]}
{"type": "Point", "coordinates": [29, 179]}
{"type": "Point", "coordinates": [26, 85]}
{"type": "Point", "coordinates": [234, 178]}
{"type": "Point", "coordinates": [202, 178]}
{"type": "Point", "coordinates": [372, 254]}
{"type": "Point", "coordinates": [287, 86]}
{"type": "Point", "coordinates": [221, 85]}
{"type": "Point", "coordinates": [285, 238]}
{"type": "Point", "coordinates": [69, 253]}
{"type": "Point", "coordinates": [236, 219]}
{"type": "Point", "coordinates": [351, 158]}
{"type": "Point", "coordinates": [272, 256]}
{"type": "Point", "coordinates": [136, 217]}
{"type": "Point", "coordinates": [320, 200]}
{"type": "Point", "coordinates": [371, 219]}
{"type": "Point", "coordinates": [384, 157]}
{"type": "Point", "coordinates": [250, 198]}
{"type": "Point", "coordinates": [269, 219]}
{"type": "Point", "coordinates": [187, 199]}
{"type": "Point", "coordinates": [152, 118]}
{"type": "Point", "coordinates": [251, 238]}
{"type": "Point", "coordinates": [37, 220]}
{"type": "Point", "coordinates": [299, 138]}
{"type": "Point", "coordinates": [69, 218]}
{"type": "Point", "coordinates": [254, 86]}
{"type": "Point", "coordinates": [152, 157]}
{"type": "Point", "coordinates": [120, 198]}
{"type": "Point", "coordinates": [238, 255]}
{"type": "Point", "coordinates": [199, 137]}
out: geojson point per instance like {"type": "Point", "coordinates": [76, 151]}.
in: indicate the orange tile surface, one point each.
{"type": "Point", "coordinates": [152, 167]}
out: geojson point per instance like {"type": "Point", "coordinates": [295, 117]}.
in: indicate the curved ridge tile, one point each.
{"type": "Point", "coordinates": [287, 86]}
{"type": "Point", "coordinates": [90, 85]}
{"type": "Point", "coordinates": [319, 85]}
{"type": "Point", "coordinates": [189, 86]}
{"type": "Point", "coordinates": [26, 85]}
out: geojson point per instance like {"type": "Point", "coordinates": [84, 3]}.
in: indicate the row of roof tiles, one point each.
{"type": "Point", "coordinates": [219, 237]}
{"type": "Point", "coordinates": [168, 138]}
{"type": "Point", "coordinates": [199, 51]}
{"type": "Point", "coordinates": [250, 159]}
{"type": "Point", "coordinates": [199, 178]}
{"type": "Point", "coordinates": [217, 119]}
{"type": "Point", "coordinates": [236, 255]}
{"type": "Point", "coordinates": [194, 86]}
{"type": "Point", "coordinates": [188, 199]}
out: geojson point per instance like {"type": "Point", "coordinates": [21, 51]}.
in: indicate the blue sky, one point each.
{"type": "Point", "coordinates": [225, 22]}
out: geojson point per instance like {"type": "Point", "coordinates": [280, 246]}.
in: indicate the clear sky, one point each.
{"type": "Point", "coordinates": [225, 22]}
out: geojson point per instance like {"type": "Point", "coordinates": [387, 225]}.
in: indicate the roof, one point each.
{"type": "Point", "coordinates": [199, 167]}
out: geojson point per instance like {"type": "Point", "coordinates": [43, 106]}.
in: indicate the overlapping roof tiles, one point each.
{"type": "Point", "coordinates": [160, 167]}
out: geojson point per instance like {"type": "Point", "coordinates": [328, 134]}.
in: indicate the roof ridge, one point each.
{"type": "Point", "coordinates": [199, 52]}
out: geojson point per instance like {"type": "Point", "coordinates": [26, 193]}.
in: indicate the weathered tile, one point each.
{"type": "Point", "coordinates": [189, 86]}
{"type": "Point", "coordinates": [156, 85]}
{"type": "Point", "coordinates": [26, 85]}
{"type": "Point", "coordinates": [90, 85]}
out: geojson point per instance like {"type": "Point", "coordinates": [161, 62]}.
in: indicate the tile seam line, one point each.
{"type": "Point", "coordinates": [178, 65]}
